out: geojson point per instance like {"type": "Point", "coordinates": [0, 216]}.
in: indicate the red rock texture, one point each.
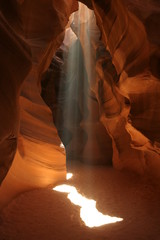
{"type": "Point", "coordinates": [135, 129]}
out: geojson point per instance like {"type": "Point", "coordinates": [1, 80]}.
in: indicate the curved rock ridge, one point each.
{"type": "Point", "coordinates": [135, 130]}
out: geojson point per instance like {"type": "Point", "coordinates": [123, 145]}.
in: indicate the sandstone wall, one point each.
{"type": "Point", "coordinates": [39, 160]}
{"type": "Point", "coordinates": [134, 128]}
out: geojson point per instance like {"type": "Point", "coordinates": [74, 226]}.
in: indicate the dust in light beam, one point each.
{"type": "Point", "coordinates": [88, 212]}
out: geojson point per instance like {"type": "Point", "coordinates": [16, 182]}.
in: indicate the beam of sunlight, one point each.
{"type": "Point", "coordinates": [74, 87]}
{"type": "Point", "coordinates": [88, 212]}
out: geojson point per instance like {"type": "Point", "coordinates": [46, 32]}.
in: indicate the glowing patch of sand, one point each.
{"type": "Point", "coordinates": [88, 212]}
{"type": "Point", "coordinates": [69, 176]}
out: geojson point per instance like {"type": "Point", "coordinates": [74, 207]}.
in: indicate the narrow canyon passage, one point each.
{"type": "Point", "coordinates": [79, 95]}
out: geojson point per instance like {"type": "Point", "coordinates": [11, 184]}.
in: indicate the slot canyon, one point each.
{"type": "Point", "coordinates": [80, 119]}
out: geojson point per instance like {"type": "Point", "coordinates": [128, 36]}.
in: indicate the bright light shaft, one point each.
{"type": "Point", "coordinates": [88, 212]}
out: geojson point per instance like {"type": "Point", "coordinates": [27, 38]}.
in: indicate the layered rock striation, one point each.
{"type": "Point", "coordinates": [134, 129]}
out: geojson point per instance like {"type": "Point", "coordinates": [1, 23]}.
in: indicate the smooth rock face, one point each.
{"type": "Point", "coordinates": [15, 63]}
{"type": "Point", "coordinates": [117, 101]}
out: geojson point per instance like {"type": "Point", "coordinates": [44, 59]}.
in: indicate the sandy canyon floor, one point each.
{"type": "Point", "coordinates": [48, 214]}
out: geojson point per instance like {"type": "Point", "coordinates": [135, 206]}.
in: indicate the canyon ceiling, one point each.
{"type": "Point", "coordinates": [114, 115]}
